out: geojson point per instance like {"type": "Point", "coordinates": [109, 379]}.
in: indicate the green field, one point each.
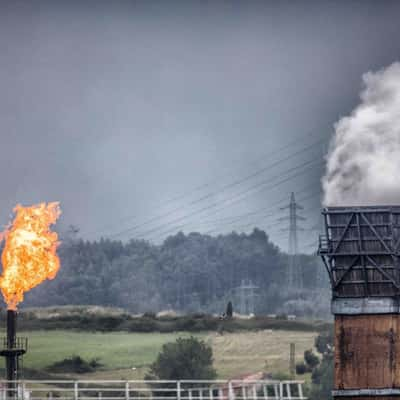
{"type": "Point", "coordinates": [118, 351]}
{"type": "Point", "coordinates": [127, 355]}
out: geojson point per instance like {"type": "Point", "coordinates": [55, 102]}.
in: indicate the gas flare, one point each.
{"type": "Point", "coordinates": [29, 256]}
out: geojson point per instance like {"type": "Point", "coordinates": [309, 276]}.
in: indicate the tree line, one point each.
{"type": "Point", "coordinates": [186, 273]}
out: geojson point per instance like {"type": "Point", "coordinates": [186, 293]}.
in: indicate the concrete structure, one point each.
{"type": "Point", "coordinates": [360, 250]}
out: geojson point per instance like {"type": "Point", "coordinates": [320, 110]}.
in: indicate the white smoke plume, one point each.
{"type": "Point", "coordinates": [363, 163]}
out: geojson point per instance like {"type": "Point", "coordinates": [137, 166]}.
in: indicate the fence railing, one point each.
{"type": "Point", "coordinates": [152, 390]}
{"type": "Point", "coordinates": [18, 343]}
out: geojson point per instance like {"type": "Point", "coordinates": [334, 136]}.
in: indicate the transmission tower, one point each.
{"type": "Point", "coordinates": [295, 278]}
{"type": "Point", "coordinates": [247, 297]}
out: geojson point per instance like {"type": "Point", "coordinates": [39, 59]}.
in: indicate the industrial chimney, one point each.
{"type": "Point", "coordinates": [13, 348]}
{"type": "Point", "coordinates": [360, 250]}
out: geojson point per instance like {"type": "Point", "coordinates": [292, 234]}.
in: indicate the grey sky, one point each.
{"type": "Point", "coordinates": [112, 107]}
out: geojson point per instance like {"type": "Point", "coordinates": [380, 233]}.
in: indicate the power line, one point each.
{"type": "Point", "coordinates": [259, 187]}
{"type": "Point", "coordinates": [236, 198]}
{"type": "Point", "coordinates": [304, 189]}
{"type": "Point", "coordinates": [274, 152]}
{"type": "Point", "coordinates": [203, 186]}
{"type": "Point", "coordinates": [253, 223]}
{"type": "Point", "coordinates": [270, 214]}
{"type": "Point", "coordinates": [270, 208]}
{"type": "Point", "coordinates": [210, 195]}
{"type": "Point", "coordinates": [178, 227]}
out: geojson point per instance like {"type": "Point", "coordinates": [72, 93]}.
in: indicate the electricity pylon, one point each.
{"type": "Point", "coordinates": [247, 297]}
{"type": "Point", "coordinates": [295, 276]}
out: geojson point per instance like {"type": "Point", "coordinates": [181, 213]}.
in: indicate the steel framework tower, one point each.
{"type": "Point", "coordinates": [247, 297]}
{"type": "Point", "coordinates": [295, 280]}
{"type": "Point", "coordinates": [360, 250]}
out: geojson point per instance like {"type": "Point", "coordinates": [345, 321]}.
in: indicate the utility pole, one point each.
{"type": "Point", "coordinates": [292, 361]}
{"type": "Point", "coordinates": [295, 278]}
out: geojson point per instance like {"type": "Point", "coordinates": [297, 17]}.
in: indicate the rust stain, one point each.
{"type": "Point", "coordinates": [366, 352]}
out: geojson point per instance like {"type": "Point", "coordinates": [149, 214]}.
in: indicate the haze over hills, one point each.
{"type": "Point", "coordinates": [187, 273]}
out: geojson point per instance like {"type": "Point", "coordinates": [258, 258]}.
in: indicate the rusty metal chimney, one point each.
{"type": "Point", "coordinates": [360, 250]}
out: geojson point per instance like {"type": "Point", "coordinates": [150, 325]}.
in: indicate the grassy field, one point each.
{"type": "Point", "coordinates": [127, 355]}
{"type": "Point", "coordinates": [268, 350]}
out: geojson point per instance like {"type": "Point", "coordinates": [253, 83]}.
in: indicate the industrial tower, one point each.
{"type": "Point", "coordinates": [295, 278]}
{"type": "Point", "coordinates": [360, 250]}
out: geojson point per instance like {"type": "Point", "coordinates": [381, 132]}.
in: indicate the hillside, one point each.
{"type": "Point", "coordinates": [187, 273]}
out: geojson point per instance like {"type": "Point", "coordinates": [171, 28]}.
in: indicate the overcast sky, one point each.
{"type": "Point", "coordinates": [113, 108]}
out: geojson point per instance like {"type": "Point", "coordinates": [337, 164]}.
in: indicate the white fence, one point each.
{"type": "Point", "coordinates": [152, 390]}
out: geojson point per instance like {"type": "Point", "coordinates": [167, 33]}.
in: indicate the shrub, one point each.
{"type": "Point", "coordinates": [183, 359]}
{"type": "Point", "coordinates": [108, 323]}
{"type": "Point", "coordinates": [301, 368]}
{"type": "Point", "coordinates": [322, 379]}
{"type": "Point", "coordinates": [198, 315]}
{"type": "Point", "coordinates": [281, 376]}
{"type": "Point", "coordinates": [324, 342]}
{"type": "Point", "coordinates": [149, 315]}
{"type": "Point", "coordinates": [185, 324]}
{"type": "Point", "coordinates": [311, 359]}
{"type": "Point", "coordinates": [142, 325]}
{"type": "Point", "coordinates": [322, 375]}
{"type": "Point", "coordinates": [74, 364]}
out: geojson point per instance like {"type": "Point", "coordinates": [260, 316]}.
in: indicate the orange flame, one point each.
{"type": "Point", "coordinates": [29, 256]}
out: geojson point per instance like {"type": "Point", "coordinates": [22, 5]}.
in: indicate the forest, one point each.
{"type": "Point", "coordinates": [187, 273]}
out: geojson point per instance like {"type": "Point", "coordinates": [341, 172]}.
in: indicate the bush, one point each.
{"type": "Point", "coordinates": [108, 322]}
{"type": "Point", "coordinates": [322, 375]}
{"type": "Point", "coordinates": [74, 364]}
{"type": "Point", "coordinates": [324, 342]}
{"type": "Point", "coordinates": [322, 379]}
{"type": "Point", "coordinates": [186, 324]}
{"type": "Point", "coordinates": [301, 368]}
{"type": "Point", "coordinates": [196, 322]}
{"type": "Point", "coordinates": [198, 315]}
{"type": "Point", "coordinates": [281, 376]}
{"type": "Point", "coordinates": [142, 325]}
{"type": "Point", "coordinates": [149, 315]}
{"type": "Point", "coordinates": [311, 359]}
{"type": "Point", "coordinates": [183, 359]}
